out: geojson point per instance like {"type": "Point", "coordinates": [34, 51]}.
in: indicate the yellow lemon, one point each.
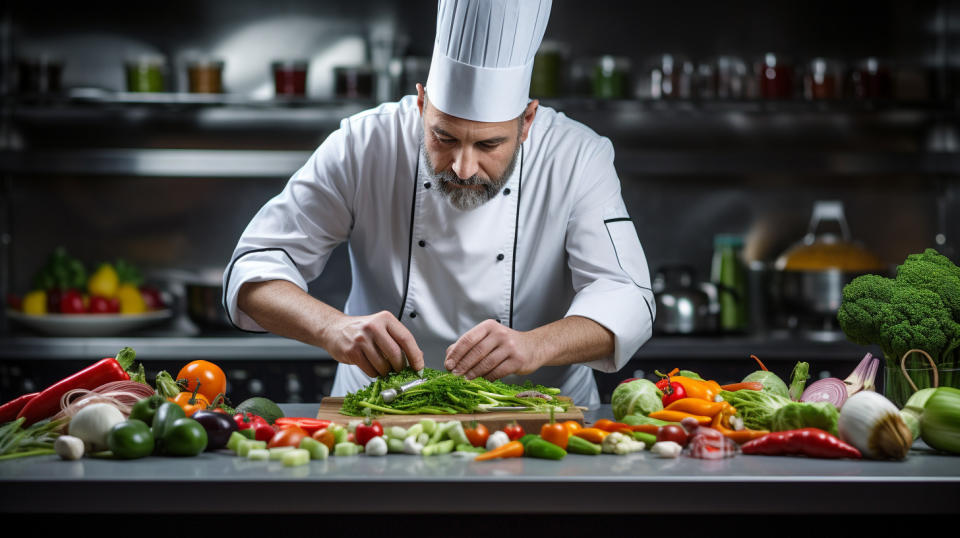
{"type": "Point", "coordinates": [131, 302]}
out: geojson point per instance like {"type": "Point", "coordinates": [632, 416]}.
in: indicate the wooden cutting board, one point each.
{"type": "Point", "coordinates": [531, 422]}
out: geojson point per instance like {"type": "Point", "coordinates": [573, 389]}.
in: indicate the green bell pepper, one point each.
{"type": "Point", "coordinates": [166, 414]}
{"type": "Point", "coordinates": [130, 439]}
{"type": "Point", "coordinates": [184, 437]}
{"type": "Point", "coordinates": [146, 408]}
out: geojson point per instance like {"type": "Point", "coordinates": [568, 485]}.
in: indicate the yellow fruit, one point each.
{"type": "Point", "coordinates": [35, 303]}
{"type": "Point", "coordinates": [104, 282]}
{"type": "Point", "coordinates": [131, 302]}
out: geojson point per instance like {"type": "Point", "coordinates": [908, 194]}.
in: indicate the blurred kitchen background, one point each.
{"type": "Point", "coordinates": [742, 129]}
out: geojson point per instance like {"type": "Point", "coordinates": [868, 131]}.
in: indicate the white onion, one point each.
{"type": "Point", "coordinates": [873, 424]}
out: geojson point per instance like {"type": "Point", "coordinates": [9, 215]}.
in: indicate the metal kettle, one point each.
{"type": "Point", "coordinates": [684, 306]}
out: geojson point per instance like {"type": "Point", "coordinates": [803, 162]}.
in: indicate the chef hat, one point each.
{"type": "Point", "coordinates": [483, 57]}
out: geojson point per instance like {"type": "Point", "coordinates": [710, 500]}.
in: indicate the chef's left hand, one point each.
{"type": "Point", "coordinates": [492, 350]}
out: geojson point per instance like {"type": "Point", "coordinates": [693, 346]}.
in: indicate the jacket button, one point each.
{"type": "Point", "coordinates": [500, 257]}
{"type": "Point", "coordinates": [426, 185]}
{"type": "Point", "coordinates": [422, 243]}
{"type": "Point", "coordinates": [506, 191]}
{"type": "Point", "coordinates": [413, 314]}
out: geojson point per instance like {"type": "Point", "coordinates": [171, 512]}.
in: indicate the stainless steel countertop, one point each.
{"type": "Point", "coordinates": [639, 483]}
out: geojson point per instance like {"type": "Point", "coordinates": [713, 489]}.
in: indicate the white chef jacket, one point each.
{"type": "Point", "coordinates": [556, 241]}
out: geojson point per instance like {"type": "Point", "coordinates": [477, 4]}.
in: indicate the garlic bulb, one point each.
{"type": "Point", "coordinates": [873, 424]}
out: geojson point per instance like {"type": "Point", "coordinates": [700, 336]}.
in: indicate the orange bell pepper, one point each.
{"type": "Point", "coordinates": [696, 406]}
{"type": "Point", "coordinates": [555, 432]}
{"type": "Point", "coordinates": [572, 426]}
{"type": "Point", "coordinates": [696, 388]}
{"type": "Point", "coordinates": [191, 402]}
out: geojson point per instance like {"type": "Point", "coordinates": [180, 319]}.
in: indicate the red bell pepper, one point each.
{"type": "Point", "coordinates": [9, 410]}
{"type": "Point", "coordinates": [366, 431]}
{"type": "Point", "coordinates": [262, 430]}
{"type": "Point", "coordinates": [47, 403]}
{"type": "Point", "coordinates": [309, 425]}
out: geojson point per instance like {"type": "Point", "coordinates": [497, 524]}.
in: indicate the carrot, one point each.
{"type": "Point", "coordinates": [594, 435]}
{"type": "Point", "coordinates": [513, 449]}
{"type": "Point", "coordinates": [677, 416]}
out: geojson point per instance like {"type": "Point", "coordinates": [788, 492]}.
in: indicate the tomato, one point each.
{"type": "Point", "coordinates": [514, 431]}
{"type": "Point", "coordinates": [326, 436]}
{"type": "Point", "coordinates": [213, 381]}
{"type": "Point", "coordinates": [72, 303]}
{"type": "Point", "coordinates": [103, 305]}
{"type": "Point", "coordinates": [477, 434]}
{"type": "Point", "coordinates": [287, 436]}
{"type": "Point", "coordinates": [673, 433]}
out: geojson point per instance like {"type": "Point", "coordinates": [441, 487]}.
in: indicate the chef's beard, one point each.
{"type": "Point", "coordinates": [468, 198]}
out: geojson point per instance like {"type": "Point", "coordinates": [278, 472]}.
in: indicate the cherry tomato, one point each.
{"type": "Point", "coordinates": [287, 436]}
{"type": "Point", "coordinates": [514, 431]}
{"type": "Point", "coordinates": [213, 381]}
{"type": "Point", "coordinates": [477, 434]}
{"type": "Point", "coordinates": [673, 433]}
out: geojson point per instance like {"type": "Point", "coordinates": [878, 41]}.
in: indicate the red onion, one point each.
{"type": "Point", "coordinates": [829, 389]}
{"type": "Point", "coordinates": [120, 394]}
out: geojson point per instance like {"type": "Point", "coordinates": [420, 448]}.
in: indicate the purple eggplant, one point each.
{"type": "Point", "coordinates": [219, 426]}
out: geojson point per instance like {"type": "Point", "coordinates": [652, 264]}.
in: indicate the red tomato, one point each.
{"type": "Point", "coordinates": [103, 305]}
{"type": "Point", "coordinates": [477, 435]}
{"type": "Point", "coordinates": [673, 433]}
{"type": "Point", "coordinates": [72, 303]}
{"type": "Point", "coordinates": [213, 381]}
{"type": "Point", "coordinates": [514, 431]}
{"type": "Point", "coordinates": [287, 436]}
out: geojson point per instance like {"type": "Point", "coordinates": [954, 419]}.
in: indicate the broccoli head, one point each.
{"type": "Point", "coordinates": [919, 309]}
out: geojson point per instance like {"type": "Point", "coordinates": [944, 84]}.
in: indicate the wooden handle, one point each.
{"type": "Point", "coordinates": [903, 368]}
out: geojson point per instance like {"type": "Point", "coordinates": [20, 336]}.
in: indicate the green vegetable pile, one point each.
{"type": "Point", "coordinates": [919, 309]}
{"type": "Point", "coordinates": [37, 439]}
{"type": "Point", "coordinates": [762, 410]}
{"type": "Point", "coordinates": [445, 394]}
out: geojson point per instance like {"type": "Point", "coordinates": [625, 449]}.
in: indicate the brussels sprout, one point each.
{"type": "Point", "coordinates": [639, 396]}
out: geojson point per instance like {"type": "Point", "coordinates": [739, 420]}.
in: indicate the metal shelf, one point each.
{"type": "Point", "coordinates": [246, 347]}
{"type": "Point", "coordinates": [155, 162]}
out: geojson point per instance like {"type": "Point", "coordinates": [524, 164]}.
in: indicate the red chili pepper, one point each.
{"type": "Point", "coordinates": [812, 442]}
{"type": "Point", "coordinates": [47, 403]}
{"type": "Point", "coordinates": [366, 431]}
{"type": "Point", "coordinates": [9, 410]}
{"type": "Point", "coordinates": [672, 391]}
{"type": "Point", "coordinates": [262, 430]}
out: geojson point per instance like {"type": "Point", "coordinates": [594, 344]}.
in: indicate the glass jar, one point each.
{"type": "Point", "coordinates": [353, 82]}
{"type": "Point", "coordinates": [775, 77]}
{"type": "Point", "coordinates": [146, 73]}
{"type": "Point", "coordinates": [205, 76]}
{"type": "Point", "coordinates": [39, 74]}
{"type": "Point", "coordinates": [822, 80]}
{"type": "Point", "coordinates": [290, 77]}
{"type": "Point", "coordinates": [610, 78]}
{"type": "Point", "coordinates": [547, 76]}
{"type": "Point", "coordinates": [729, 274]}
{"type": "Point", "coordinates": [871, 80]}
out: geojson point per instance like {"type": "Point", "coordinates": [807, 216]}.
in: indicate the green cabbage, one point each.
{"type": "Point", "coordinates": [771, 383]}
{"type": "Point", "coordinates": [639, 396]}
{"type": "Point", "coordinates": [796, 415]}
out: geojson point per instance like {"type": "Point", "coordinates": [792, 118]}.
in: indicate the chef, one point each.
{"type": "Point", "coordinates": [487, 234]}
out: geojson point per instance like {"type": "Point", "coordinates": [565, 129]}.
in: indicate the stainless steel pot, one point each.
{"type": "Point", "coordinates": [806, 286]}
{"type": "Point", "coordinates": [683, 305]}
{"type": "Point", "coordinates": [204, 306]}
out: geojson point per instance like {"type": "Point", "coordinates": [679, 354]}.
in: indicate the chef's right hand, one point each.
{"type": "Point", "coordinates": [376, 343]}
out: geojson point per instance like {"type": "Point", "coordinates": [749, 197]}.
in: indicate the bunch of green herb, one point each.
{"type": "Point", "coordinates": [445, 394]}
{"type": "Point", "coordinates": [35, 440]}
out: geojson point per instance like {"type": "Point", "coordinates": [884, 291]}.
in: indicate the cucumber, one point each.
{"type": "Point", "coordinates": [261, 407]}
